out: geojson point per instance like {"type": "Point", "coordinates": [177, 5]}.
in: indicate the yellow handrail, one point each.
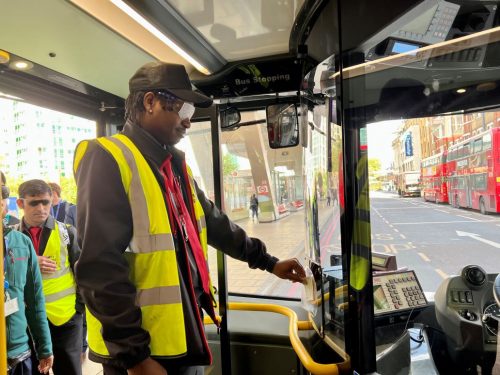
{"type": "Point", "coordinates": [293, 327]}
{"type": "Point", "coordinates": [3, 336]}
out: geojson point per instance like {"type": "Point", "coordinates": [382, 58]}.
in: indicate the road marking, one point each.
{"type": "Point", "coordinates": [397, 247]}
{"type": "Point", "coordinates": [446, 212]}
{"type": "Point", "coordinates": [477, 237]}
{"type": "Point", "coordinates": [469, 217]}
{"type": "Point", "coordinates": [401, 208]}
{"type": "Point", "coordinates": [424, 257]}
{"type": "Point", "coordinates": [385, 248]}
{"type": "Point", "coordinates": [441, 273]}
{"type": "Point", "coordinates": [440, 222]}
{"type": "Point", "coordinates": [403, 236]}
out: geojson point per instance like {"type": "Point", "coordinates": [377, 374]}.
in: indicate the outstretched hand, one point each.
{"type": "Point", "coordinates": [290, 269]}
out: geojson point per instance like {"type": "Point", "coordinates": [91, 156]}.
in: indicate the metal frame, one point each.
{"type": "Point", "coordinates": [212, 114]}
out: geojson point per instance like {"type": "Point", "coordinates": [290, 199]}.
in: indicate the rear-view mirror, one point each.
{"type": "Point", "coordinates": [229, 117]}
{"type": "Point", "coordinates": [282, 125]}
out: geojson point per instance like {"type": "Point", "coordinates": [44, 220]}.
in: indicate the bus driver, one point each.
{"type": "Point", "coordinates": [144, 226]}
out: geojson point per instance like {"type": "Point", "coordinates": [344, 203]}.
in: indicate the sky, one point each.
{"type": "Point", "coordinates": [380, 137]}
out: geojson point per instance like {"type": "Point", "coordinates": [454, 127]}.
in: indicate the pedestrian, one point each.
{"type": "Point", "coordinates": [8, 219]}
{"type": "Point", "coordinates": [57, 250]}
{"type": "Point", "coordinates": [70, 217]}
{"type": "Point", "coordinates": [144, 226]}
{"type": "Point", "coordinates": [24, 301]}
{"type": "Point", "coordinates": [66, 212]}
{"type": "Point", "coordinates": [254, 207]}
{"type": "Point", "coordinates": [60, 209]}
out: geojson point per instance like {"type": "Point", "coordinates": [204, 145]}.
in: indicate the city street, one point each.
{"type": "Point", "coordinates": [435, 240]}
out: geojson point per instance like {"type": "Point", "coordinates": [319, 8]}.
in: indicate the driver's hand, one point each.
{"type": "Point", "coordinates": [290, 269]}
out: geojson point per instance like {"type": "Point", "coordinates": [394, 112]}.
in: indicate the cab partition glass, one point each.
{"type": "Point", "coordinates": [322, 139]}
{"type": "Point", "coordinates": [424, 104]}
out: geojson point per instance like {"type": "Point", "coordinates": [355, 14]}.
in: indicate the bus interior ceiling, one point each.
{"type": "Point", "coordinates": [248, 55]}
{"type": "Point", "coordinates": [72, 50]}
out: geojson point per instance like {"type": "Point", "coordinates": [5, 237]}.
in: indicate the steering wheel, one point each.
{"type": "Point", "coordinates": [496, 289]}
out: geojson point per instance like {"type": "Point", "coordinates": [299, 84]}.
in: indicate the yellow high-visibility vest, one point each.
{"type": "Point", "coordinates": [59, 287]}
{"type": "Point", "coordinates": [151, 252]}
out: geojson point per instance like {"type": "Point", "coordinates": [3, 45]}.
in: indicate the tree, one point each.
{"type": "Point", "coordinates": [229, 164]}
{"type": "Point", "coordinates": [68, 188]}
{"type": "Point", "coordinates": [374, 165]}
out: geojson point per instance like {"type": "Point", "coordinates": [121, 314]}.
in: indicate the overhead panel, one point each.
{"type": "Point", "coordinates": [241, 29]}
{"type": "Point", "coordinates": [59, 36]}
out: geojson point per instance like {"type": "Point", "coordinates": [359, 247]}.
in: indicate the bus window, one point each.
{"type": "Point", "coordinates": [466, 149]}
{"type": "Point", "coordinates": [453, 154]}
{"type": "Point", "coordinates": [250, 166]}
{"type": "Point", "coordinates": [487, 141]}
{"type": "Point", "coordinates": [478, 145]}
{"type": "Point", "coordinates": [39, 143]}
{"type": "Point", "coordinates": [479, 182]}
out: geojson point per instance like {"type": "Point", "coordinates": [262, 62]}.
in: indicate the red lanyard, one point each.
{"type": "Point", "coordinates": [179, 212]}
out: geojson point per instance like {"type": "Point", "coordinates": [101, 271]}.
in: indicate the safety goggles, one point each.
{"type": "Point", "coordinates": [5, 192]}
{"type": "Point", "coordinates": [186, 110]}
{"type": "Point", "coordinates": [36, 202]}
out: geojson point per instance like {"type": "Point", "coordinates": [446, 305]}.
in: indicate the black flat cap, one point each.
{"type": "Point", "coordinates": [170, 77]}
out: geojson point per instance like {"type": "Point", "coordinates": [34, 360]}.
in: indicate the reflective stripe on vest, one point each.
{"type": "Point", "coordinates": [151, 253]}
{"type": "Point", "coordinates": [59, 288]}
{"type": "Point", "coordinates": [201, 224]}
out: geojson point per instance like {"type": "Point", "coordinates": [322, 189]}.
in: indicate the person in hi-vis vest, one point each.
{"type": "Point", "coordinates": [57, 250]}
{"type": "Point", "coordinates": [144, 227]}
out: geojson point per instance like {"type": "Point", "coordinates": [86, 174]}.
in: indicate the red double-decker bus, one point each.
{"type": "Point", "coordinates": [474, 172]}
{"type": "Point", "coordinates": [434, 175]}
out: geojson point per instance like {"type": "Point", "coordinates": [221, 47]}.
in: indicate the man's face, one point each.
{"type": "Point", "coordinates": [166, 126]}
{"type": "Point", "coordinates": [36, 208]}
{"type": "Point", "coordinates": [55, 198]}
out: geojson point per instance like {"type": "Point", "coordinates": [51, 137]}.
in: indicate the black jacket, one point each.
{"type": "Point", "coordinates": [105, 230]}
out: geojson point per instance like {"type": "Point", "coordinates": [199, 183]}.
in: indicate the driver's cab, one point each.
{"type": "Point", "coordinates": [412, 276]}
{"type": "Point", "coordinates": [399, 147]}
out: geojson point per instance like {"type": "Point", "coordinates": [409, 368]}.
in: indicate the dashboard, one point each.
{"type": "Point", "coordinates": [466, 310]}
